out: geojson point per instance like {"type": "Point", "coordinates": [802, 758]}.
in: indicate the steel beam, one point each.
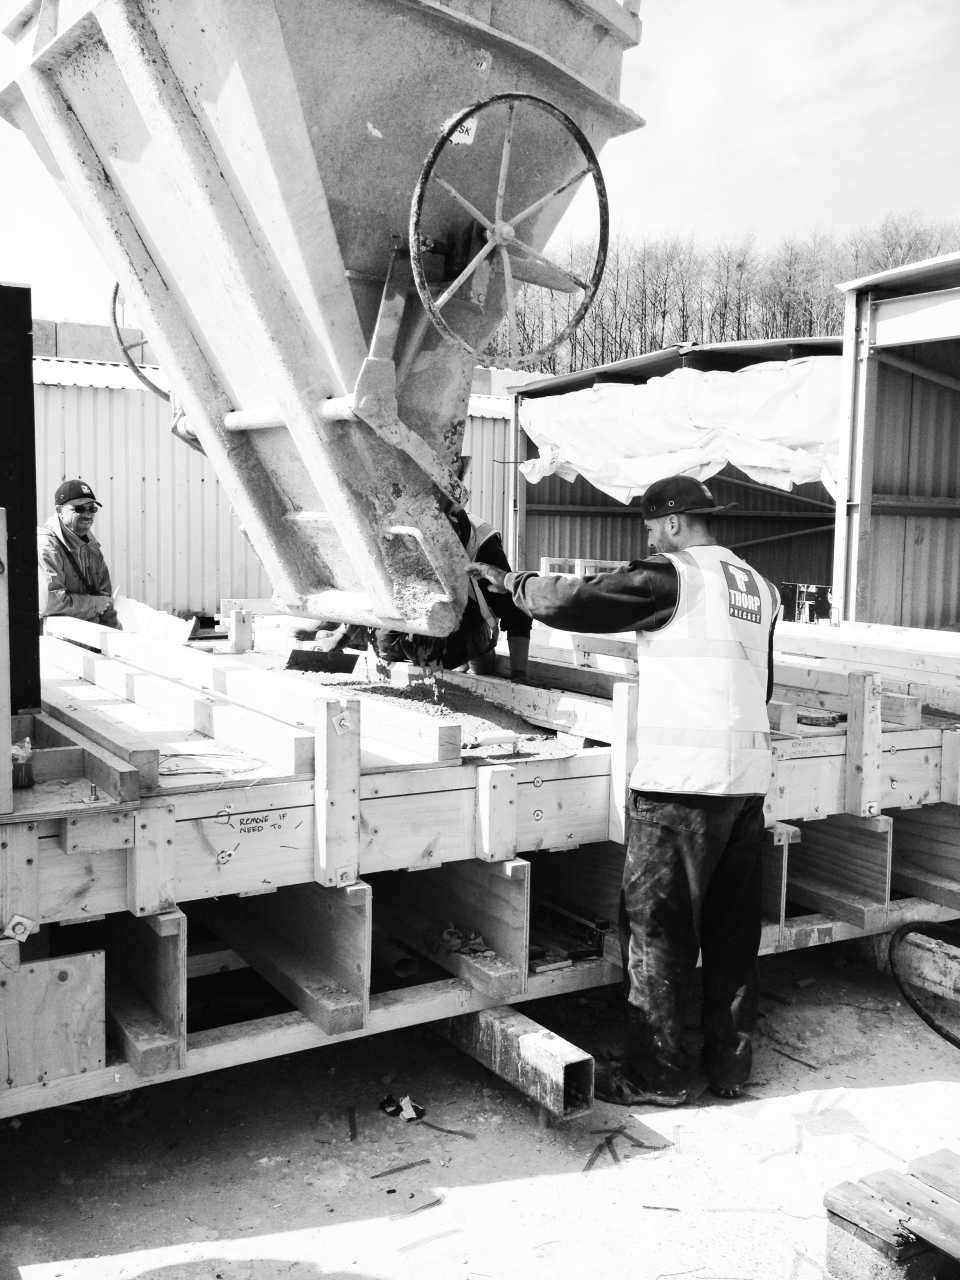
{"type": "Point", "coordinates": [543, 1066]}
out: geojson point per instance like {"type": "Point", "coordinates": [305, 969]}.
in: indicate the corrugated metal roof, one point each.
{"type": "Point", "coordinates": [491, 407]}
{"type": "Point", "coordinates": [931, 273]}
{"type": "Point", "coordinates": [708, 355]}
{"type": "Point", "coordinates": [53, 371]}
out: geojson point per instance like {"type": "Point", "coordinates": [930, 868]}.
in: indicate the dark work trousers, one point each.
{"type": "Point", "coordinates": [691, 884]}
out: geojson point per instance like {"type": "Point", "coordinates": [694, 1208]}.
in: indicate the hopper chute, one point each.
{"type": "Point", "coordinates": [277, 187]}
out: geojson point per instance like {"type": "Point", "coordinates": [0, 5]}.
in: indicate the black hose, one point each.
{"type": "Point", "coordinates": [950, 933]}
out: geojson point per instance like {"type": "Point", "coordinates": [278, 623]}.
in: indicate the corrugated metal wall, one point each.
{"type": "Point", "coordinates": [911, 568]}
{"type": "Point", "coordinates": [488, 442]}
{"type": "Point", "coordinates": [557, 525]}
{"type": "Point", "coordinates": [169, 533]}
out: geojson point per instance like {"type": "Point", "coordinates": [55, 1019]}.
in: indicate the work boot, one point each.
{"type": "Point", "coordinates": [612, 1085]}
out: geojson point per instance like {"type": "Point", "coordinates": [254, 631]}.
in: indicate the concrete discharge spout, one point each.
{"type": "Point", "coordinates": [323, 212]}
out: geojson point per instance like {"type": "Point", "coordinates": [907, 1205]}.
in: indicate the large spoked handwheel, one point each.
{"type": "Point", "coordinates": [505, 219]}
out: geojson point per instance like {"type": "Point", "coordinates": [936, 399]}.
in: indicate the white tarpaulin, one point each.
{"type": "Point", "coordinates": [779, 422]}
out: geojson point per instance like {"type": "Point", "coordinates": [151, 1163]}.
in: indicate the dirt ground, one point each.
{"type": "Point", "coordinates": [288, 1169]}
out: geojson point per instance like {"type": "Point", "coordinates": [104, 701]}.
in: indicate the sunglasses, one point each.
{"type": "Point", "coordinates": [86, 509]}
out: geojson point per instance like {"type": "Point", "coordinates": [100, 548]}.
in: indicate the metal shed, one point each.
{"type": "Point", "coordinates": [169, 532]}
{"type": "Point", "coordinates": [898, 541]}
{"type": "Point", "coordinates": [788, 536]}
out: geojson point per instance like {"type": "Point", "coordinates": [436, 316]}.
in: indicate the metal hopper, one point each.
{"type": "Point", "coordinates": [323, 209]}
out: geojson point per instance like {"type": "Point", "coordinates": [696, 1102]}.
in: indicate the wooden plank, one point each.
{"type": "Point", "coordinates": [557, 816]}
{"type": "Point", "coordinates": [928, 839]}
{"type": "Point", "coordinates": [144, 1040]}
{"type": "Point", "coordinates": [865, 913]}
{"type": "Point", "coordinates": [782, 714]}
{"type": "Point", "coordinates": [151, 955]}
{"type": "Point", "coordinates": [337, 754]}
{"type": "Point", "coordinates": [623, 756]}
{"type": "Point", "coordinates": [864, 745]}
{"type": "Point", "coordinates": [926, 884]}
{"type": "Point", "coordinates": [493, 899]}
{"type": "Point", "coordinates": [775, 867]}
{"type": "Point", "coordinates": [496, 816]}
{"type": "Point", "coordinates": [810, 788]}
{"type": "Point", "coordinates": [846, 854]}
{"type": "Point", "coordinates": [931, 1215]}
{"type": "Point", "coordinates": [72, 888]}
{"type": "Point", "coordinates": [92, 832]}
{"type": "Point", "coordinates": [329, 927]}
{"type": "Point", "coordinates": [286, 960]}
{"type": "Point", "coordinates": [857, 1204]}
{"type": "Point", "coordinates": [242, 848]}
{"type": "Point", "coordinates": [151, 864]}
{"type": "Point", "coordinates": [261, 736]}
{"type": "Point", "coordinates": [940, 1170]}
{"type": "Point", "coordinates": [59, 700]}
{"type": "Point", "coordinates": [19, 880]}
{"type": "Point", "coordinates": [281, 695]}
{"type": "Point", "coordinates": [52, 1020]}
{"type": "Point", "coordinates": [895, 708]}
{"type": "Point", "coordinates": [551, 708]}
{"type": "Point", "coordinates": [6, 708]}
{"type": "Point", "coordinates": [111, 775]}
{"type": "Point", "coordinates": [57, 762]}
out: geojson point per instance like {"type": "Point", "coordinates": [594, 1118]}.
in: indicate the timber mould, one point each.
{"type": "Point", "coordinates": [194, 814]}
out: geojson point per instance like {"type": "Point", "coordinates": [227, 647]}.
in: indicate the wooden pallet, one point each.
{"type": "Point", "coordinates": [895, 1226]}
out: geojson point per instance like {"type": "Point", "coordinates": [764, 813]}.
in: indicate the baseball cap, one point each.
{"type": "Point", "coordinates": [674, 494]}
{"type": "Point", "coordinates": [74, 491]}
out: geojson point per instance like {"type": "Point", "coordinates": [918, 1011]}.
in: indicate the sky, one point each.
{"type": "Point", "coordinates": [769, 118]}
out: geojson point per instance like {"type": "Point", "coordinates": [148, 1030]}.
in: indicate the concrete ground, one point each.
{"type": "Point", "coordinates": [288, 1169]}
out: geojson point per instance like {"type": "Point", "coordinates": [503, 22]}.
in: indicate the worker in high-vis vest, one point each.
{"type": "Point", "coordinates": [486, 613]}
{"type": "Point", "coordinates": [704, 622]}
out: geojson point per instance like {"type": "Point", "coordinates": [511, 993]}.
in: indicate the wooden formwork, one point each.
{"type": "Point", "coordinates": [196, 814]}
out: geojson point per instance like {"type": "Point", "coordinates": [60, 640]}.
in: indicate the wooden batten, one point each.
{"type": "Point", "coordinates": [926, 854]}
{"type": "Point", "coordinates": [623, 755]}
{"type": "Point", "coordinates": [111, 775]}
{"type": "Point", "coordinates": [774, 869]}
{"type": "Point", "coordinates": [588, 717]}
{"type": "Point", "coordinates": [843, 865]}
{"type": "Point", "coordinates": [492, 900]}
{"type": "Point", "coordinates": [337, 754]}
{"type": "Point", "coordinates": [20, 913]}
{"type": "Point", "coordinates": [864, 745]}
{"type": "Point", "coordinates": [64, 700]}
{"type": "Point", "coordinates": [496, 814]}
{"type": "Point", "coordinates": [147, 989]}
{"type": "Point", "coordinates": [309, 942]}
{"type": "Point", "coordinates": [151, 864]}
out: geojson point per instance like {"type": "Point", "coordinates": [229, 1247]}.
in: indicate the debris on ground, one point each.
{"type": "Point", "coordinates": [406, 1108]}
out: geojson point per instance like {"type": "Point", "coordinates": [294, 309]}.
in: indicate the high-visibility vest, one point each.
{"type": "Point", "coordinates": [480, 531]}
{"type": "Point", "coordinates": [702, 724]}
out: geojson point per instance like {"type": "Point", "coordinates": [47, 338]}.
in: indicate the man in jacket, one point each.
{"type": "Point", "coordinates": [74, 578]}
{"type": "Point", "coordinates": [704, 623]}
